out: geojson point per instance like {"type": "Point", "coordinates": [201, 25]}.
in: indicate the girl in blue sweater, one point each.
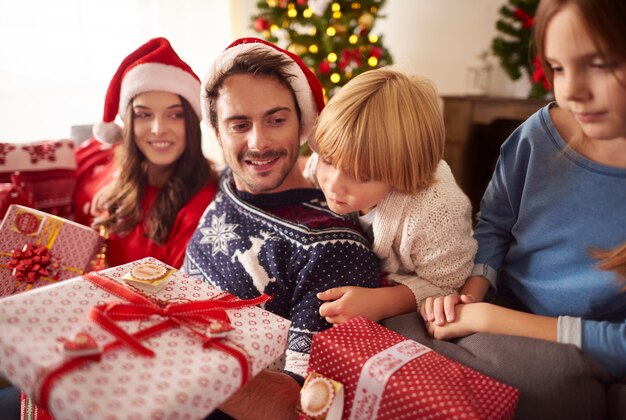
{"type": "Point", "coordinates": [558, 193]}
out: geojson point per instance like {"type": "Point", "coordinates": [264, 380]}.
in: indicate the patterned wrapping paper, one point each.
{"type": "Point", "coordinates": [70, 247]}
{"type": "Point", "coordinates": [386, 376]}
{"type": "Point", "coordinates": [183, 379]}
{"type": "Point", "coordinates": [48, 168]}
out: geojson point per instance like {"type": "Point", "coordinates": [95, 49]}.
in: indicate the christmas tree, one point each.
{"type": "Point", "coordinates": [335, 39]}
{"type": "Point", "coordinates": [514, 48]}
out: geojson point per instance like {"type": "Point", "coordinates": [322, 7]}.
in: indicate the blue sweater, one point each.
{"type": "Point", "coordinates": [544, 208]}
{"type": "Point", "coordinates": [288, 245]}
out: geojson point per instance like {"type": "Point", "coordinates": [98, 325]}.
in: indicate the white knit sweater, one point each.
{"type": "Point", "coordinates": [424, 241]}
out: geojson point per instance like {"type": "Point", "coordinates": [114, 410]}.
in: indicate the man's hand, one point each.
{"type": "Point", "coordinates": [346, 302]}
{"type": "Point", "coordinates": [441, 309]}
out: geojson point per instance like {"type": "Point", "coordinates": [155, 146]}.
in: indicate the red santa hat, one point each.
{"type": "Point", "coordinates": [154, 66]}
{"type": "Point", "coordinates": [305, 84]}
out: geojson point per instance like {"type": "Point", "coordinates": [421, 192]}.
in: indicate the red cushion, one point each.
{"type": "Point", "coordinates": [48, 168]}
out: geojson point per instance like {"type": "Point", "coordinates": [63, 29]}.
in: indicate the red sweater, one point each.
{"type": "Point", "coordinates": [95, 170]}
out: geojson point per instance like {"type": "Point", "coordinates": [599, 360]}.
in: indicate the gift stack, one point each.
{"type": "Point", "coordinates": [141, 340]}
{"type": "Point", "coordinates": [37, 249]}
{"type": "Point", "coordinates": [385, 376]}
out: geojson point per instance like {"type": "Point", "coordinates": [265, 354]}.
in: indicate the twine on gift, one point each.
{"type": "Point", "coordinates": [137, 307]}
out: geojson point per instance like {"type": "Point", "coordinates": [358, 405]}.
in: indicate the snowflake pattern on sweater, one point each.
{"type": "Point", "coordinates": [288, 245]}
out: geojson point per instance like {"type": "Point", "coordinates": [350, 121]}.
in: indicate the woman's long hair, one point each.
{"type": "Point", "coordinates": [189, 174]}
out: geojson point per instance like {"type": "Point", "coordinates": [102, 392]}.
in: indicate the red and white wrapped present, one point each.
{"type": "Point", "coordinates": [386, 376]}
{"type": "Point", "coordinates": [141, 340]}
{"type": "Point", "coordinates": [37, 249]}
{"type": "Point", "coordinates": [48, 168]}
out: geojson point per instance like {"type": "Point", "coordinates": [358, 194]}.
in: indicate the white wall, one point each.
{"type": "Point", "coordinates": [57, 57]}
{"type": "Point", "coordinates": [434, 38]}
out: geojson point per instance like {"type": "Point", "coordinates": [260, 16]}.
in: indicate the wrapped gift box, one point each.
{"type": "Point", "coordinates": [48, 168]}
{"type": "Point", "coordinates": [70, 346]}
{"type": "Point", "coordinates": [386, 376]}
{"type": "Point", "coordinates": [56, 249]}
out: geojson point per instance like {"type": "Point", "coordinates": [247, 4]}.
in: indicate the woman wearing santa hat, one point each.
{"type": "Point", "coordinates": [150, 188]}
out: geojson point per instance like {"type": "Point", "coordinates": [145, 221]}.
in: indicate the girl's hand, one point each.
{"type": "Point", "coordinates": [466, 323]}
{"type": "Point", "coordinates": [441, 309]}
{"type": "Point", "coordinates": [346, 302]}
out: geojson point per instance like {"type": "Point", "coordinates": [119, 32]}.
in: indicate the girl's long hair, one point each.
{"type": "Point", "coordinates": [613, 260]}
{"type": "Point", "coordinates": [190, 173]}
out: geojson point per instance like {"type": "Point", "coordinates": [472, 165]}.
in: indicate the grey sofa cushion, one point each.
{"type": "Point", "coordinates": [556, 381]}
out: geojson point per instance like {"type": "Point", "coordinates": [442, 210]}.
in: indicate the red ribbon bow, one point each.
{"type": "Point", "coordinates": [538, 75]}
{"type": "Point", "coordinates": [348, 56]}
{"type": "Point", "coordinates": [523, 16]}
{"type": "Point", "coordinates": [189, 315]}
{"type": "Point", "coordinates": [30, 264]}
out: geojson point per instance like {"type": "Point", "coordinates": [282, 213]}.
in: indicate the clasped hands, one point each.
{"type": "Point", "coordinates": [452, 316]}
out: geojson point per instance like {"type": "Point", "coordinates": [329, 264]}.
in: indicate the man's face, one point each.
{"type": "Point", "coordinates": [258, 130]}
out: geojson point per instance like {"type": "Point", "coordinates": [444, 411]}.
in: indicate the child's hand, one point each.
{"type": "Point", "coordinates": [346, 302]}
{"type": "Point", "coordinates": [464, 324]}
{"type": "Point", "coordinates": [440, 309]}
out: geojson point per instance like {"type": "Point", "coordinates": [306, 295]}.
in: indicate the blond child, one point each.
{"type": "Point", "coordinates": [559, 190]}
{"type": "Point", "coordinates": [379, 145]}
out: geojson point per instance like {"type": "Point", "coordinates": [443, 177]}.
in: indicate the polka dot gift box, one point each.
{"type": "Point", "coordinates": [37, 249]}
{"type": "Point", "coordinates": [386, 376]}
{"type": "Point", "coordinates": [141, 340]}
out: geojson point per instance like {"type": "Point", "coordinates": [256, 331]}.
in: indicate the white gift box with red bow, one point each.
{"type": "Point", "coordinates": [102, 346]}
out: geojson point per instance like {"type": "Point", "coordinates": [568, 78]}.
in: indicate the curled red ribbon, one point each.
{"type": "Point", "coordinates": [188, 315]}
{"type": "Point", "coordinates": [30, 263]}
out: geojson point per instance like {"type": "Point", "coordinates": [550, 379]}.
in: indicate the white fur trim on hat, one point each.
{"type": "Point", "coordinates": [299, 84]}
{"type": "Point", "coordinates": [159, 77]}
{"type": "Point", "coordinates": [107, 132]}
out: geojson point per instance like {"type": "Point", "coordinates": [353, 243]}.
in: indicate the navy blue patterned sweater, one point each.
{"type": "Point", "coordinates": [288, 245]}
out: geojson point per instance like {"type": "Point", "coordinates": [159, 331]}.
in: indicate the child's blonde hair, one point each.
{"type": "Point", "coordinates": [386, 126]}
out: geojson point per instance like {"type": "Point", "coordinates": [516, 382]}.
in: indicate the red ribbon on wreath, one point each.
{"type": "Point", "coordinates": [199, 317]}
{"type": "Point", "coordinates": [30, 263]}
